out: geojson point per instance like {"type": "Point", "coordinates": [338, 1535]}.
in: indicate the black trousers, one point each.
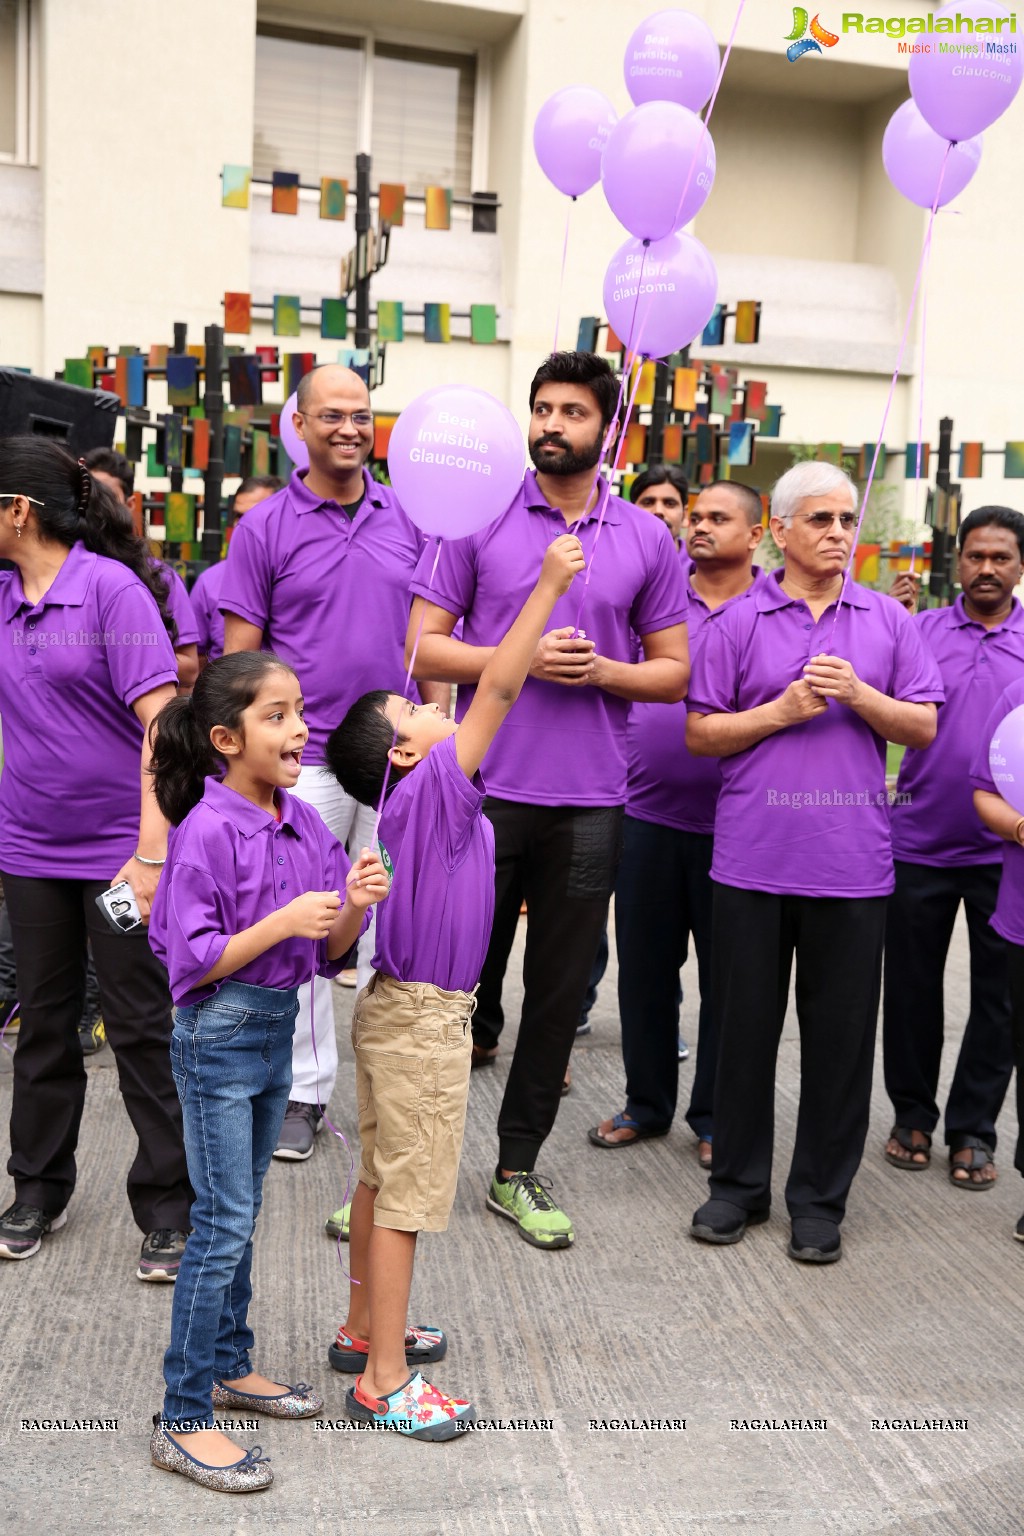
{"type": "Point", "coordinates": [918, 929]}
{"type": "Point", "coordinates": [663, 894]}
{"type": "Point", "coordinates": [9, 974]}
{"type": "Point", "coordinates": [562, 859]}
{"type": "Point", "coordinates": [837, 943]}
{"type": "Point", "coordinates": [50, 920]}
{"type": "Point", "coordinates": [1015, 970]}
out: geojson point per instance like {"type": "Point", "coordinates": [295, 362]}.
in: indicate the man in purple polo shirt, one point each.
{"type": "Point", "coordinates": [945, 856]}
{"type": "Point", "coordinates": [557, 772]}
{"type": "Point", "coordinates": [663, 890]}
{"type": "Point", "coordinates": [205, 593]}
{"type": "Point", "coordinates": [299, 572]}
{"type": "Point", "coordinates": [797, 689]}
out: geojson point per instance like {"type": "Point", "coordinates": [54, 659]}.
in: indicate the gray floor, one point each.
{"type": "Point", "coordinates": [922, 1318]}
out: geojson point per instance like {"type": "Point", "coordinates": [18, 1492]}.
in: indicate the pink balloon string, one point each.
{"type": "Point", "coordinates": [710, 108]}
{"type": "Point", "coordinates": [561, 280]}
{"type": "Point", "coordinates": [405, 694]}
{"type": "Point", "coordinates": [920, 397]}
{"type": "Point", "coordinates": [3, 1030]}
{"type": "Point", "coordinates": [922, 267]}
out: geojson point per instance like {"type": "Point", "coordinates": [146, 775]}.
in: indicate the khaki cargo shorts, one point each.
{"type": "Point", "coordinates": [412, 1043]}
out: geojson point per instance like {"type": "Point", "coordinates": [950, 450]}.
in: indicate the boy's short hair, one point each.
{"type": "Point", "coordinates": [357, 749]}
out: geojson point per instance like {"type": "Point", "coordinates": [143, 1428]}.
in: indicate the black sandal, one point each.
{"type": "Point", "coordinates": [982, 1156]}
{"type": "Point", "coordinates": [904, 1134]}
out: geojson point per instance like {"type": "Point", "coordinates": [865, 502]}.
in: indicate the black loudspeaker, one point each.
{"type": "Point", "coordinates": [78, 419]}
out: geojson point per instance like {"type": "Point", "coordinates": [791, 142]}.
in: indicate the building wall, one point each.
{"type": "Point", "coordinates": [120, 231]}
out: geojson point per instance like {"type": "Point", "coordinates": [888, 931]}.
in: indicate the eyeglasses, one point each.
{"type": "Point", "coordinates": [822, 520]}
{"type": "Point", "coordinates": [362, 419]}
{"type": "Point", "coordinates": [10, 495]}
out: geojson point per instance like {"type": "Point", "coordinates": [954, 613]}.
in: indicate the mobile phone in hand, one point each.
{"type": "Point", "coordinates": [120, 908]}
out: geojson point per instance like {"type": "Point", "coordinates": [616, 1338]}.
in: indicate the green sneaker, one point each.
{"type": "Point", "coordinates": [524, 1199]}
{"type": "Point", "coordinates": [337, 1225]}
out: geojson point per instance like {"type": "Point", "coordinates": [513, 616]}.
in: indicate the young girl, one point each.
{"type": "Point", "coordinates": [248, 908]}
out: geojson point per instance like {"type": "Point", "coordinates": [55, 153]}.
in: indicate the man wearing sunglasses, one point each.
{"type": "Point", "coordinates": [319, 573]}
{"type": "Point", "coordinates": [797, 690]}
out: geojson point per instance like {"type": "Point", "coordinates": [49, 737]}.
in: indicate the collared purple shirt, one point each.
{"type": "Point", "coordinates": [805, 811]}
{"type": "Point", "coordinates": [205, 597]}
{"type": "Point", "coordinates": [229, 864]}
{"type": "Point", "coordinates": [71, 667]}
{"type": "Point", "coordinates": [331, 594]}
{"type": "Point", "coordinates": [560, 746]}
{"type": "Point", "coordinates": [666, 784]}
{"type": "Point", "coordinates": [939, 824]}
{"type": "Point", "coordinates": [1008, 917]}
{"type": "Point", "coordinates": [178, 605]}
{"type": "Point", "coordinates": [436, 922]}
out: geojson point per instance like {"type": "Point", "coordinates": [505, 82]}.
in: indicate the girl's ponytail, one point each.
{"type": "Point", "coordinates": [105, 527]}
{"type": "Point", "coordinates": [182, 759]}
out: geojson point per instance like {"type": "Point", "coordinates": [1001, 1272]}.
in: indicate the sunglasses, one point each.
{"type": "Point", "coordinates": [822, 520]}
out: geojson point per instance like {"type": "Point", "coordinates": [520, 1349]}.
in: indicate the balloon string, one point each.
{"type": "Point", "coordinates": [561, 280]}
{"type": "Point", "coordinates": [922, 267]}
{"type": "Point", "coordinates": [604, 504]}
{"type": "Point", "coordinates": [405, 694]}
{"type": "Point", "coordinates": [707, 116]}
{"type": "Point", "coordinates": [3, 1031]}
{"type": "Point", "coordinates": [920, 398]}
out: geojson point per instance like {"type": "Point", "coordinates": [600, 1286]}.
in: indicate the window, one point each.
{"type": "Point", "coordinates": [15, 82]}
{"type": "Point", "coordinates": [321, 98]}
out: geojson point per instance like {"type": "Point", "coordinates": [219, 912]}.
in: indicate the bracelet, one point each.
{"type": "Point", "coordinates": [156, 863]}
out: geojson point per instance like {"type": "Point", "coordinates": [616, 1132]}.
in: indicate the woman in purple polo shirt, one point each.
{"type": "Point", "coordinates": [85, 666]}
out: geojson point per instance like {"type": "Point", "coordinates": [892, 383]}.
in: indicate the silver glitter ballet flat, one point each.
{"type": "Point", "coordinates": [246, 1476]}
{"type": "Point", "coordinates": [299, 1402]}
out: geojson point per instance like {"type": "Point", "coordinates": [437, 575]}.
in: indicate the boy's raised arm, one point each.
{"type": "Point", "coordinates": [505, 672]}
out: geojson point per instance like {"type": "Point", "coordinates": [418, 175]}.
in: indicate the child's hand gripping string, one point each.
{"type": "Point", "coordinates": [563, 559]}
{"type": "Point", "coordinates": [367, 881]}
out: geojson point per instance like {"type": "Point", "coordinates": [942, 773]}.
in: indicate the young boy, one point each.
{"type": "Point", "coordinates": [411, 1029]}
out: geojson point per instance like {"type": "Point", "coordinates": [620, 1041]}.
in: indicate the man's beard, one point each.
{"type": "Point", "coordinates": [567, 462]}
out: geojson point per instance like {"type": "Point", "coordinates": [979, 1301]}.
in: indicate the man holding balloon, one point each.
{"type": "Point", "coordinates": [556, 776]}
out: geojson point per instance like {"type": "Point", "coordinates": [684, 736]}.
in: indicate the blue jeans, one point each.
{"type": "Point", "coordinates": [232, 1062]}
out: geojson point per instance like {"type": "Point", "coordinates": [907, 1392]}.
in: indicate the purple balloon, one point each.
{"type": "Point", "coordinates": [294, 447]}
{"type": "Point", "coordinates": [456, 459]}
{"type": "Point", "coordinates": [961, 95]}
{"type": "Point", "coordinates": [662, 311]}
{"type": "Point", "coordinates": [1006, 758]}
{"type": "Point", "coordinates": [569, 136]}
{"type": "Point", "coordinates": [672, 56]}
{"type": "Point", "coordinates": [913, 155]}
{"type": "Point", "coordinates": [658, 168]}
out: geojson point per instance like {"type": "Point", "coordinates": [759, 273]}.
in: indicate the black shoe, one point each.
{"type": "Point", "coordinates": [719, 1221]}
{"type": "Point", "coordinates": [815, 1240]}
{"type": "Point", "coordinates": [161, 1254]}
{"type": "Point", "coordinates": [583, 1028]}
{"type": "Point", "coordinates": [93, 1037]}
{"type": "Point", "coordinates": [23, 1227]}
{"type": "Point", "coordinates": [302, 1122]}
{"type": "Point", "coordinates": [1018, 1230]}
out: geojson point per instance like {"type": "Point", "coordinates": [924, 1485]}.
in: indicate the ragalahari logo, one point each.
{"type": "Point", "coordinates": [799, 40]}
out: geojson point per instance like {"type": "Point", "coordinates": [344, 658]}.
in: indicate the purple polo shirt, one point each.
{"type": "Point", "coordinates": [665, 784]}
{"type": "Point", "coordinates": [204, 597]}
{"type": "Point", "coordinates": [805, 812]}
{"type": "Point", "coordinates": [939, 824]}
{"type": "Point", "coordinates": [1008, 917]}
{"type": "Point", "coordinates": [560, 746]}
{"type": "Point", "coordinates": [178, 605]}
{"type": "Point", "coordinates": [229, 864]}
{"type": "Point", "coordinates": [330, 594]}
{"type": "Point", "coordinates": [71, 667]}
{"type": "Point", "coordinates": [436, 922]}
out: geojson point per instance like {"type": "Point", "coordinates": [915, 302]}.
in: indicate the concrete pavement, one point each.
{"type": "Point", "coordinates": [922, 1319]}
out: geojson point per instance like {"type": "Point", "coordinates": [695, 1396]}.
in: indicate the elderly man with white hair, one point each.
{"type": "Point", "coordinates": [798, 690]}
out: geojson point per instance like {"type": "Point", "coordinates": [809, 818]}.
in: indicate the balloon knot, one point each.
{"type": "Point", "coordinates": [647, 242]}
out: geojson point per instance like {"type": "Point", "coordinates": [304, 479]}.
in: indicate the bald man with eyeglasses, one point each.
{"type": "Point", "coordinates": [319, 573]}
